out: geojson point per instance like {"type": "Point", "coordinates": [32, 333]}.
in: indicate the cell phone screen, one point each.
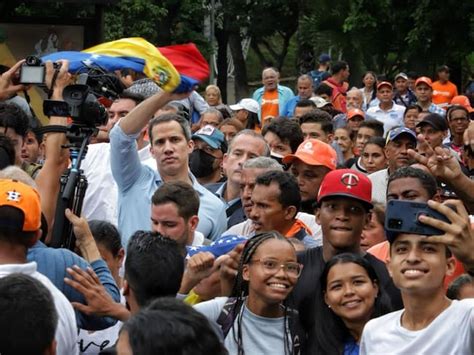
{"type": "Point", "coordinates": [32, 74]}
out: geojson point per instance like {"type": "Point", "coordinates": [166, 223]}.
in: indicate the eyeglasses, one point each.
{"type": "Point", "coordinates": [271, 266]}
{"type": "Point", "coordinates": [459, 119]}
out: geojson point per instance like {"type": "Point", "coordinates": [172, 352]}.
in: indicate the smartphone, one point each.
{"type": "Point", "coordinates": [402, 217]}
{"type": "Point", "coordinates": [32, 74]}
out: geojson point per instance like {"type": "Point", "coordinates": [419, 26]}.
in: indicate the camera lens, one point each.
{"type": "Point", "coordinates": [33, 61]}
{"type": "Point", "coordinates": [395, 223]}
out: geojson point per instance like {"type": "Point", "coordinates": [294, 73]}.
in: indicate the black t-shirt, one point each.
{"type": "Point", "coordinates": [308, 286]}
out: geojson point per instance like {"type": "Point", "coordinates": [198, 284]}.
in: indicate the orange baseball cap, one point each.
{"type": "Point", "coordinates": [384, 83]}
{"type": "Point", "coordinates": [24, 198]}
{"type": "Point", "coordinates": [424, 80]}
{"type": "Point", "coordinates": [314, 152]}
{"type": "Point", "coordinates": [355, 112]}
{"type": "Point", "coordinates": [462, 100]}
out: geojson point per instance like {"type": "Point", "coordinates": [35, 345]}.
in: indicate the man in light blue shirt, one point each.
{"type": "Point", "coordinates": [170, 145]}
{"type": "Point", "coordinates": [305, 92]}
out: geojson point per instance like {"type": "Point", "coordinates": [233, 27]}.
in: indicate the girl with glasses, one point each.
{"type": "Point", "coordinates": [257, 318]}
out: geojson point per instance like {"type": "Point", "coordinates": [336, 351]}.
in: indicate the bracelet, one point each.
{"type": "Point", "coordinates": [53, 129]}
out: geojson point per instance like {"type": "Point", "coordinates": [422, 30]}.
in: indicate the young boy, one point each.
{"type": "Point", "coordinates": [430, 323]}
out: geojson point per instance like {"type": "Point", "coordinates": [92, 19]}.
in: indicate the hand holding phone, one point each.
{"type": "Point", "coordinates": [403, 217]}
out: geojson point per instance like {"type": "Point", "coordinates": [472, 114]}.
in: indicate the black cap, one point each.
{"type": "Point", "coordinates": [436, 121]}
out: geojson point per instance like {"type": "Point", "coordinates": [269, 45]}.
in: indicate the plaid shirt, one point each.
{"type": "Point", "coordinates": [436, 109]}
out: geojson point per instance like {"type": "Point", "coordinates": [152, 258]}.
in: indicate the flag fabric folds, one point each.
{"type": "Point", "coordinates": [178, 68]}
{"type": "Point", "coordinates": [218, 247]}
{"type": "Point", "coordinates": [189, 62]}
{"type": "Point", "coordinates": [157, 67]}
{"type": "Point", "coordinates": [78, 61]}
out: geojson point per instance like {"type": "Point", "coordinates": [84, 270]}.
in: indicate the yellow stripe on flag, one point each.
{"type": "Point", "coordinates": [157, 67]}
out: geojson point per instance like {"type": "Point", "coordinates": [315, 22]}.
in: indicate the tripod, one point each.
{"type": "Point", "coordinates": [73, 187]}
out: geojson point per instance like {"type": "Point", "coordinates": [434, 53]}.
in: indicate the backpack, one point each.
{"type": "Point", "coordinates": [318, 77]}
{"type": "Point", "coordinates": [226, 320]}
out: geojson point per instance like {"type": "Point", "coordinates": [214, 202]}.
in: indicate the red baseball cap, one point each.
{"type": "Point", "coordinates": [24, 198]}
{"type": "Point", "coordinates": [424, 80]}
{"type": "Point", "coordinates": [384, 83]}
{"type": "Point", "coordinates": [355, 112]}
{"type": "Point", "coordinates": [314, 152]}
{"type": "Point", "coordinates": [346, 183]}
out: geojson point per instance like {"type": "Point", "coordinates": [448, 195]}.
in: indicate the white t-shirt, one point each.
{"type": "Point", "coordinates": [66, 332]}
{"type": "Point", "coordinates": [451, 332]}
{"type": "Point", "coordinates": [379, 181]}
{"type": "Point", "coordinates": [92, 343]}
{"type": "Point", "coordinates": [101, 198]}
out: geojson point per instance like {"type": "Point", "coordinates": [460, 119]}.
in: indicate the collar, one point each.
{"type": "Point", "coordinates": [26, 268]}
{"type": "Point", "coordinates": [220, 191]}
{"type": "Point", "coordinates": [201, 190]}
{"type": "Point", "coordinates": [39, 244]}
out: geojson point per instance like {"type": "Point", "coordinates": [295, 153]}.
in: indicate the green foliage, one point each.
{"type": "Point", "coordinates": [133, 18]}
{"type": "Point", "coordinates": [160, 22]}
{"type": "Point", "coordinates": [390, 35]}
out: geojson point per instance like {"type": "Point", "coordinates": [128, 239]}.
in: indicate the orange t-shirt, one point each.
{"type": "Point", "coordinates": [382, 252]}
{"type": "Point", "coordinates": [270, 104]}
{"type": "Point", "coordinates": [443, 93]}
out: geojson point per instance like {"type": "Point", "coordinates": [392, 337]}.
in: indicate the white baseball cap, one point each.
{"type": "Point", "coordinates": [319, 101]}
{"type": "Point", "coordinates": [246, 104]}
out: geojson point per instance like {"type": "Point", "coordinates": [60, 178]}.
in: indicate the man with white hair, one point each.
{"type": "Point", "coordinates": [272, 97]}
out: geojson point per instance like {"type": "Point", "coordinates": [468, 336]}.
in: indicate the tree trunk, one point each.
{"type": "Point", "coordinates": [222, 37]}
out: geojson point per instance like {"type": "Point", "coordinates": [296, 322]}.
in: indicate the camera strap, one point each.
{"type": "Point", "coordinates": [53, 82]}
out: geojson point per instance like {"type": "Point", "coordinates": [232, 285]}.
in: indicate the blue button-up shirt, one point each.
{"type": "Point", "coordinates": [137, 184]}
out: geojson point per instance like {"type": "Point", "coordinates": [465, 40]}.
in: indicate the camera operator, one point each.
{"type": "Point", "coordinates": [53, 262]}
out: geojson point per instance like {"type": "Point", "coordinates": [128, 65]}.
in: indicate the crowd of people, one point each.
{"type": "Point", "coordinates": [270, 226]}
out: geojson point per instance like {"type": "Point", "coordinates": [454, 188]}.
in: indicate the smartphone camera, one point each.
{"type": "Point", "coordinates": [395, 223]}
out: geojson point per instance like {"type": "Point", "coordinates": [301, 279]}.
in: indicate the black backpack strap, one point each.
{"type": "Point", "coordinates": [295, 330]}
{"type": "Point", "coordinates": [226, 317]}
{"type": "Point", "coordinates": [300, 234]}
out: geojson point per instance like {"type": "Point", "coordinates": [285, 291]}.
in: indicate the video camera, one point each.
{"type": "Point", "coordinates": [81, 103]}
{"type": "Point", "coordinates": [80, 100]}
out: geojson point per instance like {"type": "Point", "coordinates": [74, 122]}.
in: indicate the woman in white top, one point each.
{"type": "Point", "coordinates": [368, 90]}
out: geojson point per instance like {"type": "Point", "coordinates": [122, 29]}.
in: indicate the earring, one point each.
{"type": "Point", "coordinates": [329, 306]}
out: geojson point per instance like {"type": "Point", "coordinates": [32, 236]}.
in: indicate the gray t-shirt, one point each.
{"type": "Point", "coordinates": [260, 335]}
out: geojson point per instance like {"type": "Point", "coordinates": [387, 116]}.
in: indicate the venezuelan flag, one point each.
{"type": "Point", "coordinates": [156, 67]}
{"type": "Point", "coordinates": [191, 65]}
{"type": "Point", "coordinates": [79, 61]}
{"type": "Point", "coordinates": [178, 68]}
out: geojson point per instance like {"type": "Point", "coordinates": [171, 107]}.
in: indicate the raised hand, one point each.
{"type": "Point", "coordinates": [99, 302]}
{"type": "Point", "coordinates": [7, 87]}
